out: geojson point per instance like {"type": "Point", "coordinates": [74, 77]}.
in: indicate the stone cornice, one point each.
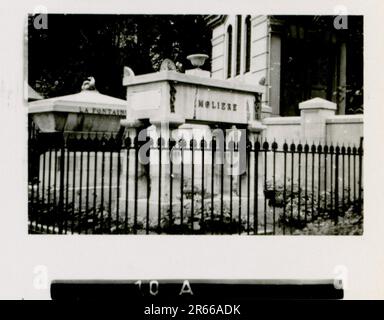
{"type": "Point", "coordinates": [215, 20]}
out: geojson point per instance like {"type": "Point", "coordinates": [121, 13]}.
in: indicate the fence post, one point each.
{"type": "Point", "coordinates": [336, 211]}
{"type": "Point", "coordinates": [360, 152]}
{"type": "Point", "coordinates": [314, 114]}
{"type": "Point", "coordinates": [61, 184]}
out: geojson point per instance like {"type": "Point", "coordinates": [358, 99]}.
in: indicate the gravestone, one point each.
{"type": "Point", "coordinates": [170, 104]}
{"type": "Point", "coordinates": [86, 111]}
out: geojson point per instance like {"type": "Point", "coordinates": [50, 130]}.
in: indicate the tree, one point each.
{"type": "Point", "coordinates": [74, 47]}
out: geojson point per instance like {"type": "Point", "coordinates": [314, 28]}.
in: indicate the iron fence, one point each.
{"type": "Point", "coordinates": [103, 184]}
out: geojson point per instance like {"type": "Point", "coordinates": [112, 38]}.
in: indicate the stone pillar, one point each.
{"type": "Point", "coordinates": [160, 163]}
{"type": "Point", "coordinates": [343, 78]}
{"type": "Point", "coordinates": [274, 73]}
{"type": "Point", "coordinates": [196, 132]}
{"type": "Point", "coordinates": [314, 113]}
{"type": "Point", "coordinates": [276, 27]}
{"type": "Point", "coordinates": [131, 131]}
{"type": "Point", "coordinates": [127, 199]}
{"type": "Point", "coordinates": [160, 174]}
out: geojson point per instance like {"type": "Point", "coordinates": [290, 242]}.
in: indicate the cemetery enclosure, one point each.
{"type": "Point", "coordinates": [102, 184]}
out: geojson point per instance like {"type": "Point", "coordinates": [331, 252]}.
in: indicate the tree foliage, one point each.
{"type": "Point", "coordinates": [74, 47]}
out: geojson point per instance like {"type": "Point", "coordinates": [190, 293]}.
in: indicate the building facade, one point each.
{"type": "Point", "coordinates": [295, 57]}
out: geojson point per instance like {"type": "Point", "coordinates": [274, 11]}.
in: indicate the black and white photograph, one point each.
{"type": "Point", "coordinates": [195, 124]}
{"type": "Point", "coordinates": [191, 158]}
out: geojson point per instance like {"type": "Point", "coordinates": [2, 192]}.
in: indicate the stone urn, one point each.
{"type": "Point", "coordinates": [198, 59]}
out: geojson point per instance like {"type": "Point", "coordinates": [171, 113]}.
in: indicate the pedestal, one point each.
{"type": "Point", "coordinates": [314, 113]}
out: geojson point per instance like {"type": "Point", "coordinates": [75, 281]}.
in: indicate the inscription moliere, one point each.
{"type": "Point", "coordinates": [218, 105]}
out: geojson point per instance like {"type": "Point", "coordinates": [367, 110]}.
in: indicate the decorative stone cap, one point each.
{"type": "Point", "coordinates": [317, 103]}
{"type": "Point", "coordinates": [128, 75]}
{"type": "Point", "coordinates": [33, 94]}
{"type": "Point", "coordinates": [256, 126]}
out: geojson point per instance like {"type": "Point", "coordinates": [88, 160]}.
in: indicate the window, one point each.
{"type": "Point", "coordinates": [238, 45]}
{"type": "Point", "coordinates": [229, 51]}
{"type": "Point", "coordinates": [248, 44]}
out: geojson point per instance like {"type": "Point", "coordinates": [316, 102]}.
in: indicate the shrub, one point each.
{"type": "Point", "coordinates": [296, 207]}
{"type": "Point", "coordinates": [350, 223]}
{"type": "Point", "coordinates": [202, 221]}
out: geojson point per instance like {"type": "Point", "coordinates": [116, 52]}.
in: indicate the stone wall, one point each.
{"type": "Point", "coordinates": [344, 129]}
{"type": "Point", "coordinates": [316, 124]}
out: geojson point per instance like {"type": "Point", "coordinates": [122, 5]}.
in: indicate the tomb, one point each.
{"type": "Point", "coordinates": [86, 111]}
{"type": "Point", "coordinates": [191, 105]}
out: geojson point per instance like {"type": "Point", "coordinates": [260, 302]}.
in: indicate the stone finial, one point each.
{"type": "Point", "coordinates": [128, 75]}
{"type": "Point", "coordinates": [168, 64]}
{"type": "Point", "coordinates": [198, 59]}
{"type": "Point", "coordinates": [128, 72]}
{"type": "Point", "coordinates": [89, 84]}
{"type": "Point", "coordinates": [317, 103]}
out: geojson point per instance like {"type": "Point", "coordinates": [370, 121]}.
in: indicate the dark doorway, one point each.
{"type": "Point", "coordinates": [312, 63]}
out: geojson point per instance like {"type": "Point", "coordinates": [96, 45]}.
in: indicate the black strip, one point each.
{"type": "Point", "coordinates": [207, 290]}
